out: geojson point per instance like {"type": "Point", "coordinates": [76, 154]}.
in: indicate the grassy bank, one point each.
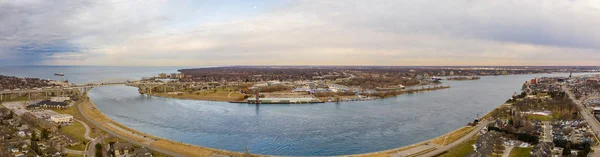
{"type": "Point", "coordinates": [462, 150]}
{"type": "Point", "coordinates": [520, 152]}
{"type": "Point", "coordinates": [172, 146]}
{"type": "Point", "coordinates": [452, 136]}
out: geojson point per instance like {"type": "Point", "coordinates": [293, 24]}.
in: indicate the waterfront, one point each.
{"type": "Point", "coordinates": [317, 129]}
{"type": "Point", "coordinates": [85, 74]}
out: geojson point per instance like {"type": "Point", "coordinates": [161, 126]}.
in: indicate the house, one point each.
{"type": "Point", "coordinates": [141, 152]}
{"type": "Point", "coordinates": [48, 104]}
{"type": "Point", "coordinates": [122, 149]}
{"type": "Point", "coordinates": [61, 118]}
{"type": "Point", "coordinates": [60, 99]}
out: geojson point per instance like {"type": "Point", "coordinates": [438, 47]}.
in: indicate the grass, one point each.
{"type": "Point", "coordinates": [76, 114]}
{"type": "Point", "coordinates": [75, 130]}
{"type": "Point", "coordinates": [78, 147]}
{"type": "Point", "coordinates": [217, 94]}
{"type": "Point", "coordinates": [73, 155]}
{"type": "Point", "coordinates": [520, 152]}
{"type": "Point", "coordinates": [452, 136]}
{"type": "Point", "coordinates": [113, 139]}
{"type": "Point", "coordinates": [463, 149]}
{"type": "Point", "coordinates": [540, 117]}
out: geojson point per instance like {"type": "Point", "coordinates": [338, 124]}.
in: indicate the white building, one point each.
{"type": "Point", "coordinates": [60, 99]}
{"type": "Point", "coordinates": [61, 118]}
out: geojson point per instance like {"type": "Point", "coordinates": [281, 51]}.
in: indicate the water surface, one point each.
{"type": "Point", "coordinates": [316, 129]}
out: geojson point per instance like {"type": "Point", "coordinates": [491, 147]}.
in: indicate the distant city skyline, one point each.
{"type": "Point", "coordinates": [300, 32]}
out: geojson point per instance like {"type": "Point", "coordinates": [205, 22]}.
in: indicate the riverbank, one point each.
{"type": "Point", "coordinates": [172, 148]}
{"type": "Point", "coordinates": [236, 97]}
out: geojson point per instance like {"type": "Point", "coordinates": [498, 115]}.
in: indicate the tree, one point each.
{"type": "Point", "coordinates": [98, 149]}
{"type": "Point", "coordinates": [45, 133]}
{"type": "Point", "coordinates": [528, 128]}
{"type": "Point", "coordinates": [567, 130]}
{"type": "Point", "coordinates": [567, 150]}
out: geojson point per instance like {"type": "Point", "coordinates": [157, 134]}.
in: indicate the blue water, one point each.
{"type": "Point", "coordinates": [86, 74]}
{"type": "Point", "coordinates": [305, 130]}
{"type": "Point", "coordinates": [296, 130]}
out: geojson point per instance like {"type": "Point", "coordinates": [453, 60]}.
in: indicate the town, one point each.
{"type": "Point", "coordinates": [50, 124]}
{"type": "Point", "coordinates": [289, 84]}
{"type": "Point", "coordinates": [551, 116]}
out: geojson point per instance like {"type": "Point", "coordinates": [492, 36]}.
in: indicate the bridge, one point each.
{"type": "Point", "coordinates": [73, 90]}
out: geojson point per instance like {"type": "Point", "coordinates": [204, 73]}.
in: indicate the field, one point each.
{"type": "Point", "coordinates": [75, 130]}
{"type": "Point", "coordinates": [452, 136]}
{"type": "Point", "coordinates": [73, 155]}
{"type": "Point", "coordinates": [540, 117]}
{"type": "Point", "coordinates": [218, 94]}
{"type": "Point", "coordinates": [78, 147]}
{"type": "Point", "coordinates": [520, 152]}
{"type": "Point", "coordinates": [463, 149]}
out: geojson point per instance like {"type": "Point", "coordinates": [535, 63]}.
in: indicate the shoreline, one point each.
{"type": "Point", "coordinates": [187, 96]}
{"type": "Point", "coordinates": [177, 148]}
{"type": "Point", "coordinates": [159, 144]}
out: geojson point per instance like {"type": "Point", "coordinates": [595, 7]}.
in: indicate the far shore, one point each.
{"type": "Point", "coordinates": [222, 96]}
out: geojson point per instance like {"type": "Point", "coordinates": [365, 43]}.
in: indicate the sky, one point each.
{"type": "Point", "coordinates": [300, 32]}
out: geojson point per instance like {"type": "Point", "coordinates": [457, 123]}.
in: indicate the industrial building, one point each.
{"type": "Point", "coordinates": [283, 100]}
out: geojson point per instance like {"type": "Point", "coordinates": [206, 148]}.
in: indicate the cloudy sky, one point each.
{"type": "Point", "coordinates": [299, 32]}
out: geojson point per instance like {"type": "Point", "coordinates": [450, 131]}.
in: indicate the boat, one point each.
{"type": "Point", "coordinates": [59, 74]}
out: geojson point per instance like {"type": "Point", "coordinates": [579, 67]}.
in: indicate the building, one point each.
{"type": "Point", "coordinates": [122, 149]}
{"type": "Point", "coordinates": [61, 118]}
{"type": "Point", "coordinates": [60, 99]}
{"type": "Point", "coordinates": [177, 76]}
{"type": "Point", "coordinates": [48, 104]}
{"type": "Point", "coordinates": [305, 100]}
{"type": "Point", "coordinates": [162, 75]}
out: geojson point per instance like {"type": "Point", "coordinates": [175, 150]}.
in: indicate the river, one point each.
{"type": "Point", "coordinates": [299, 130]}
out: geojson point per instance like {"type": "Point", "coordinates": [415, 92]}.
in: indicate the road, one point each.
{"type": "Point", "coordinates": [91, 147]}
{"type": "Point", "coordinates": [587, 116]}
{"type": "Point", "coordinates": [98, 125]}
{"type": "Point", "coordinates": [507, 151]}
{"type": "Point", "coordinates": [456, 143]}
{"type": "Point", "coordinates": [70, 151]}
{"type": "Point", "coordinates": [547, 131]}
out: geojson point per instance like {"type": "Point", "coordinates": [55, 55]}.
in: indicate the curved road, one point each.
{"type": "Point", "coordinates": [86, 135]}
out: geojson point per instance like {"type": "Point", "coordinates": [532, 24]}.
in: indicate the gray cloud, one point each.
{"type": "Point", "coordinates": [323, 32]}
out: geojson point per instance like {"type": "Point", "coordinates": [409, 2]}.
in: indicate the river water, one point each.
{"type": "Point", "coordinates": [301, 130]}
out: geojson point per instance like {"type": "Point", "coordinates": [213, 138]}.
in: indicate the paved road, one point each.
{"type": "Point", "coordinates": [91, 147]}
{"type": "Point", "coordinates": [70, 151]}
{"type": "Point", "coordinates": [588, 116]}
{"type": "Point", "coordinates": [87, 130]}
{"type": "Point", "coordinates": [463, 139]}
{"type": "Point", "coordinates": [547, 131]}
{"type": "Point", "coordinates": [507, 151]}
